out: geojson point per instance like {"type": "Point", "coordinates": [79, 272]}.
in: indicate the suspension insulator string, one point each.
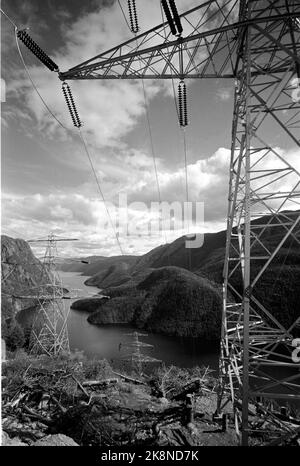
{"type": "Point", "coordinates": [36, 50]}
{"type": "Point", "coordinates": [185, 106]}
{"type": "Point", "coordinates": [134, 25]}
{"type": "Point", "coordinates": [176, 16]}
{"type": "Point", "coordinates": [71, 105]}
{"type": "Point", "coordinates": [182, 104]}
{"type": "Point", "coordinates": [174, 21]}
{"type": "Point", "coordinates": [169, 16]}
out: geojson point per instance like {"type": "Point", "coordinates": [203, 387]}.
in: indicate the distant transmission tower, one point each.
{"type": "Point", "coordinates": [137, 358]}
{"type": "Point", "coordinates": [49, 334]}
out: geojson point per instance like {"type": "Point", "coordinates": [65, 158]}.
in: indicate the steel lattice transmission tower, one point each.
{"type": "Point", "coordinates": [49, 334]}
{"type": "Point", "coordinates": [136, 357]}
{"type": "Point", "coordinates": [256, 44]}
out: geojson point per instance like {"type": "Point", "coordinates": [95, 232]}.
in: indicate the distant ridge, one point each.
{"type": "Point", "coordinates": [278, 288]}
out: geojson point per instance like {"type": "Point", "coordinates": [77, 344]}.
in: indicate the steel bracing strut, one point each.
{"type": "Point", "coordinates": [255, 43]}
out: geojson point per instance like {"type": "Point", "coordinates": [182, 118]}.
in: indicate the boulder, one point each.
{"type": "Point", "coordinates": [57, 440]}
{"type": "Point", "coordinates": [11, 442]}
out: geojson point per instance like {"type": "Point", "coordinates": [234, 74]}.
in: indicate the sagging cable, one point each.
{"type": "Point", "coordinates": [134, 25]}
{"type": "Point", "coordinates": [36, 50]}
{"type": "Point", "coordinates": [172, 16]}
{"type": "Point", "coordinates": [71, 105]}
{"type": "Point", "coordinates": [182, 104]}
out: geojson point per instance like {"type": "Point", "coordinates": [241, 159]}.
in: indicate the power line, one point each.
{"type": "Point", "coordinates": [185, 166]}
{"type": "Point", "coordinates": [124, 15]}
{"type": "Point", "coordinates": [149, 131]}
{"type": "Point", "coordinates": [100, 189]}
{"type": "Point", "coordinates": [34, 85]}
{"type": "Point", "coordinates": [151, 141]}
{"type": "Point", "coordinates": [64, 127]}
{"type": "Point", "coordinates": [173, 85]}
{"type": "Point", "coordinates": [177, 111]}
{"type": "Point", "coordinates": [154, 163]}
{"type": "Point", "coordinates": [184, 144]}
{"type": "Point", "coordinates": [147, 116]}
{"type": "Point", "coordinates": [9, 19]}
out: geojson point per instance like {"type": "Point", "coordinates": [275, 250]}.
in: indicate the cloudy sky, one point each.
{"type": "Point", "coordinates": [47, 183]}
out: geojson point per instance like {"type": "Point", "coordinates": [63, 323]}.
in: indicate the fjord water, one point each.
{"type": "Point", "coordinates": [104, 341]}
{"type": "Point", "coordinates": [110, 341]}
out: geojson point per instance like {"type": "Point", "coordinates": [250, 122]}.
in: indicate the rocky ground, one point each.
{"type": "Point", "coordinates": [70, 401]}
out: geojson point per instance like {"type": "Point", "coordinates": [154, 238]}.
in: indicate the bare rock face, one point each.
{"type": "Point", "coordinates": [21, 272]}
{"type": "Point", "coordinates": [21, 276]}
{"type": "Point", "coordinates": [57, 440]}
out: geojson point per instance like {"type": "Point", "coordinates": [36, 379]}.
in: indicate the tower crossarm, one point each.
{"type": "Point", "coordinates": [209, 48]}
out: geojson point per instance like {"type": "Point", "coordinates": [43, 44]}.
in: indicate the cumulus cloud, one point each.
{"type": "Point", "coordinates": [86, 218]}
{"type": "Point", "coordinates": [110, 111]}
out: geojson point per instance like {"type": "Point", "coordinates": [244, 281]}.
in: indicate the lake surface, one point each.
{"type": "Point", "coordinates": [110, 342]}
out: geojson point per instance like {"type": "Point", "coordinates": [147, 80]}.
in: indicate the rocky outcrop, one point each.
{"type": "Point", "coordinates": [6, 441]}
{"type": "Point", "coordinates": [22, 272]}
{"type": "Point", "coordinates": [58, 440]}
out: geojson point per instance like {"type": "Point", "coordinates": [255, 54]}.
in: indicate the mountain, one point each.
{"type": "Point", "coordinates": [114, 275]}
{"type": "Point", "coordinates": [170, 300]}
{"type": "Point", "coordinates": [21, 274]}
{"type": "Point", "coordinates": [278, 287]}
{"type": "Point", "coordinates": [176, 254]}
{"type": "Point", "coordinates": [96, 264]}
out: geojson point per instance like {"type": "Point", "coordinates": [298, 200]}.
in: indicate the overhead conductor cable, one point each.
{"type": "Point", "coordinates": [71, 106]}
{"type": "Point", "coordinates": [78, 124]}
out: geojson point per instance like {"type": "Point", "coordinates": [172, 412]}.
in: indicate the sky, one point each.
{"type": "Point", "coordinates": [47, 182]}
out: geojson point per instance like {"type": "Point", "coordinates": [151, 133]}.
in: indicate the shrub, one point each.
{"type": "Point", "coordinates": [14, 337]}
{"type": "Point", "coordinates": [96, 369]}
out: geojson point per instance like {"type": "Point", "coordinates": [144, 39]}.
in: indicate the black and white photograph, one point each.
{"type": "Point", "coordinates": [150, 227]}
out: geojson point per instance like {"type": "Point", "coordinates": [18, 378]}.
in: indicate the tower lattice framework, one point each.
{"type": "Point", "coordinates": [49, 334]}
{"type": "Point", "coordinates": [256, 45]}
{"type": "Point", "coordinates": [256, 364]}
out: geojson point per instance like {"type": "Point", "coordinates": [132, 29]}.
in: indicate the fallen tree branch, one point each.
{"type": "Point", "coordinates": [125, 377]}
{"type": "Point", "coordinates": [80, 386]}
{"type": "Point", "coordinates": [37, 416]}
{"type": "Point", "coordinates": [93, 383]}
{"type": "Point", "coordinates": [16, 401]}
{"type": "Point", "coordinates": [58, 404]}
{"type": "Point", "coordinates": [191, 387]}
